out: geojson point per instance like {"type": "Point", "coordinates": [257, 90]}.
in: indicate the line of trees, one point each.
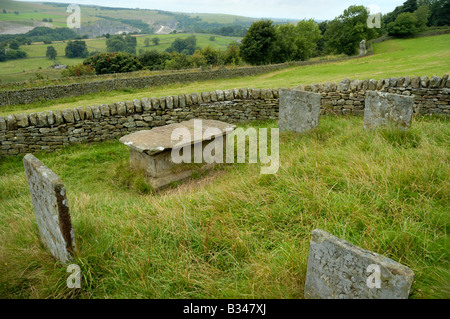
{"type": "Point", "coordinates": [120, 62]}
{"type": "Point", "coordinates": [119, 43]}
{"type": "Point", "coordinates": [414, 16]}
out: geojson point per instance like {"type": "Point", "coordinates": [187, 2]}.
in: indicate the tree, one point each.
{"type": "Point", "coordinates": [440, 13]}
{"type": "Point", "coordinates": [178, 61]}
{"type": "Point", "coordinates": [51, 53]}
{"type": "Point", "coordinates": [118, 43]}
{"type": "Point", "coordinates": [147, 42]}
{"type": "Point", "coordinates": [115, 43]}
{"type": "Point", "coordinates": [14, 44]}
{"type": "Point", "coordinates": [404, 25]}
{"type": "Point", "coordinates": [408, 23]}
{"type": "Point", "coordinates": [131, 43]}
{"type": "Point", "coordinates": [76, 49]}
{"type": "Point", "coordinates": [409, 6]}
{"type": "Point", "coordinates": [212, 56]}
{"type": "Point", "coordinates": [345, 32]}
{"type": "Point", "coordinates": [422, 14]}
{"type": "Point", "coordinates": [231, 55]}
{"type": "Point", "coordinates": [186, 46]}
{"type": "Point", "coordinates": [198, 59]}
{"type": "Point", "coordinates": [256, 46]}
{"type": "Point", "coordinates": [297, 42]}
{"type": "Point", "coordinates": [153, 59]}
{"type": "Point", "coordinates": [155, 40]}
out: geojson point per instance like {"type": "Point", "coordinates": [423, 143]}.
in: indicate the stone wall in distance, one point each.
{"type": "Point", "coordinates": [51, 130]}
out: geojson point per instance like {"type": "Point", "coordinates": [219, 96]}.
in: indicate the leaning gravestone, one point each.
{"type": "Point", "coordinates": [386, 109]}
{"type": "Point", "coordinates": [51, 209]}
{"type": "Point", "coordinates": [299, 110]}
{"type": "Point", "coordinates": [339, 270]}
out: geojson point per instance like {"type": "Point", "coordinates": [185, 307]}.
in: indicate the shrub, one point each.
{"type": "Point", "coordinates": [178, 61]}
{"type": "Point", "coordinates": [78, 70]}
{"type": "Point", "coordinates": [15, 54]}
{"type": "Point", "coordinates": [120, 62]}
{"type": "Point", "coordinates": [153, 59]}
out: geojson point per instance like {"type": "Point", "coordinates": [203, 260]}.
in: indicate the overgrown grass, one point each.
{"type": "Point", "coordinates": [234, 233]}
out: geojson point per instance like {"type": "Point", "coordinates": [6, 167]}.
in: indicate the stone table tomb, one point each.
{"type": "Point", "coordinates": [157, 152]}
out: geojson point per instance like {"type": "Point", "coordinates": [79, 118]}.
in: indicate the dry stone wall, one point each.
{"type": "Point", "coordinates": [51, 92]}
{"type": "Point", "coordinates": [51, 130]}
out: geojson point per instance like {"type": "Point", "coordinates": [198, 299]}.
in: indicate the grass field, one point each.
{"type": "Point", "coordinates": [402, 57]}
{"type": "Point", "coordinates": [235, 233]}
{"type": "Point", "coordinates": [26, 69]}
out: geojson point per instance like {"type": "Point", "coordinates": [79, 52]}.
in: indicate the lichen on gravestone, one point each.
{"type": "Point", "coordinates": [384, 109]}
{"type": "Point", "coordinates": [51, 209]}
{"type": "Point", "coordinates": [338, 269]}
{"type": "Point", "coordinates": [299, 111]}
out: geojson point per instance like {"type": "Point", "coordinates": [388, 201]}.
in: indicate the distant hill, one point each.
{"type": "Point", "coordinates": [19, 17]}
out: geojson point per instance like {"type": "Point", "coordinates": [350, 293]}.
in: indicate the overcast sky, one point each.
{"type": "Point", "coordinates": [290, 9]}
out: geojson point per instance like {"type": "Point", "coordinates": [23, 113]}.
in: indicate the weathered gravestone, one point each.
{"type": "Point", "coordinates": [50, 208]}
{"type": "Point", "coordinates": [152, 150]}
{"type": "Point", "coordinates": [339, 270]}
{"type": "Point", "coordinates": [299, 110]}
{"type": "Point", "coordinates": [386, 109]}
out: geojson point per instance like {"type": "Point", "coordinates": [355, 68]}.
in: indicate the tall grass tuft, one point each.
{"type": "Point", "coordinates": [234, 233]}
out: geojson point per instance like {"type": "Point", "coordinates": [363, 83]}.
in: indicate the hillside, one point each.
{"type": "Point", "coordinates": [96, 20]}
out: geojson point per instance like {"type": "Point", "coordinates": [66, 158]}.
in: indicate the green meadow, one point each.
{"type": "Point", "coordinates": [36, 62]}
{"type": "Point", "coordinates": [393, 58]}
{"type": "Point", "coordinates": [234, 233]}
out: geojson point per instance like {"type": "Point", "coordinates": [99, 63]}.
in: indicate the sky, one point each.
{"type": "Point", "coordinates": [288, 9]}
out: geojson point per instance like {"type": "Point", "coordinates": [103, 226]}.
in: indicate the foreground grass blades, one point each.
{"type": "Point", "coordinates": [234, 233]}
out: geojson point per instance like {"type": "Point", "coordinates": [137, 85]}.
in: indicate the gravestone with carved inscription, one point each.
{"type": "Point", "coordinates": [338, 269]}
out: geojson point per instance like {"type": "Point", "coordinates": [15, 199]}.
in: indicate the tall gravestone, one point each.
{"type": "Point", "coordinates": [51, 209]}
{"type": "Point", "coordinates": [386, 109]}
{"type": "Point", "coordinates": [339, 270]}
{"type": "Point", "coordinates": [299, 110]}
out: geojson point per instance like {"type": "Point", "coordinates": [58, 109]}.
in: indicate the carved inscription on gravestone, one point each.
{"type": "Point", "coordinates": [339, 270]}
{"type": "Point", "coordinates": [51, 209]}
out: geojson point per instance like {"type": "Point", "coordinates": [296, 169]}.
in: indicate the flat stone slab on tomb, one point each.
{"type": "Point", "coordinates": [159, 138]}
{"type": "Point", "coordinates": [151, 150]}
